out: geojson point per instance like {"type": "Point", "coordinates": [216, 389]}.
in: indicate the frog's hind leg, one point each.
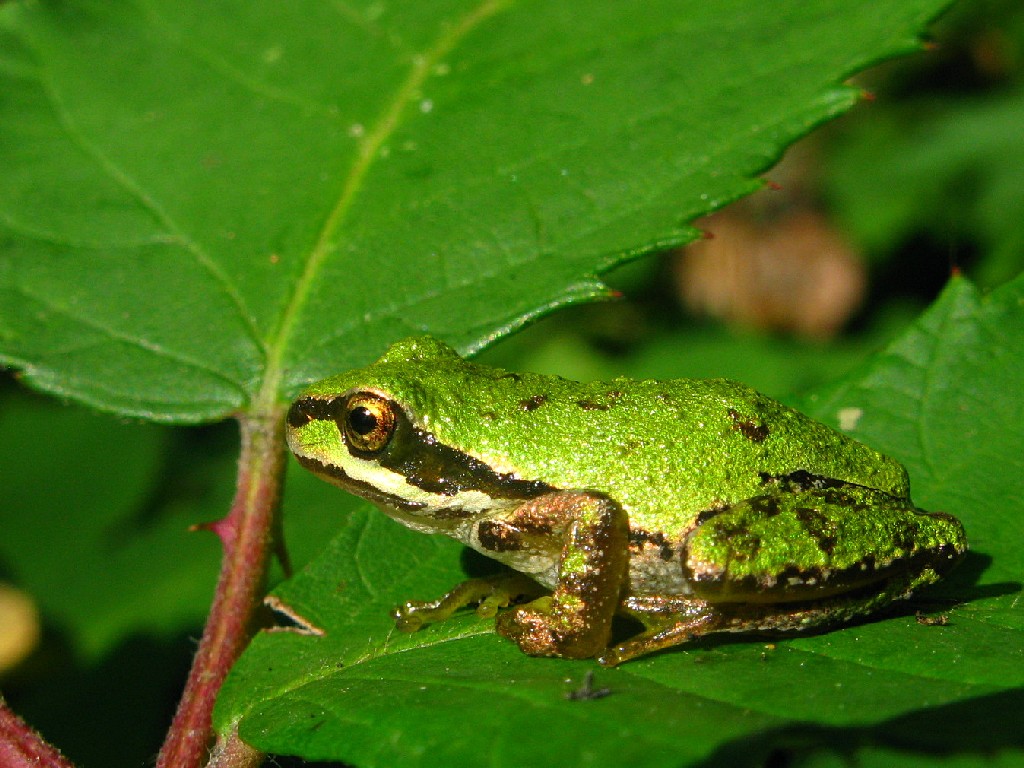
{"type": "Point", "coordinates": [818, 543]}
{"type": "Point", "coordinates": [796, 561]}
{"type": "Point", "coordinates": [673, 620]}
{"type": "Point", "coordinates": [669, 620]}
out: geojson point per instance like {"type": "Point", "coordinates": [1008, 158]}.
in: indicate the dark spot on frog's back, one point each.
{"type": "Point", "coordinates": [709, 514]}
{"type": "Point", "coordinates": [640, 538]}
{"type": "Point", "coordinates": [533, 403]}
{"type": "Point", "coordinates": [610, 399]}
{"type": "Point", "coordinates": [754, 432]}
{"type": "Point", "coordinates": [819, 527]}
{"type": "Point", "coordinates": [766, 506]}
{"type": "Point", "coordinates": [800, 480]}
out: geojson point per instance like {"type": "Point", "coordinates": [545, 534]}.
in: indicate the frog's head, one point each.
{"type": "Point", "coordinates": [373, 431]}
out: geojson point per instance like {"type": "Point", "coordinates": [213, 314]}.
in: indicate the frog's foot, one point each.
{"type": "Point", "coordinates": [669, 620]}
{"type": "Point", "coordinates": [541, 628]}
{"type": "Point", "coordinates": [488, 593]}
{"type": "Point", "coordinates": [656, 640]}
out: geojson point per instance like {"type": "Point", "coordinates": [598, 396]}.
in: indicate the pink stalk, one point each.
{"type": "Point", "coordinates": [247, 535]}
{"type": "Point", "coordinates": [21, 747]}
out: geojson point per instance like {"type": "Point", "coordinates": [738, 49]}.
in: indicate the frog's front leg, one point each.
{"type": "Point", "coordinates": [488, 593]}
{"type": "Point", "coordinates": [592, 566]}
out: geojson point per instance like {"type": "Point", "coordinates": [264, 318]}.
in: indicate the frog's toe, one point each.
{"type": "Point", "coordinates": [531, 630]}
{"type": "Point", "coordinates": [407, 617]}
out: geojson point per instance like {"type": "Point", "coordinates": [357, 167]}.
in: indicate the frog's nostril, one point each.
{"type": "Point", "coordinates": [301, 413]}
{"type": "Point", "coordinates": [307, 409]}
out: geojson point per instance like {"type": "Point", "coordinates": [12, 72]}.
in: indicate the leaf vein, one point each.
{"type": "Point", "coordinates": [111, 333]}
{"type": "Point", "coordinates": [350, 14]}
{"type": "Point", "coordinates": [41, 235]}
{"type": "Point", "coordinates": [369, 149]}
{"type": "Point", "coordinates": [123, 180]}
{"type": "Point", "coordinates": [234, 75]}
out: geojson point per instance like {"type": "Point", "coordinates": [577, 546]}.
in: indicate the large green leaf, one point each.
{"type": "Point", "coordinates": [206, 204]}
{"type": "Point", "coordinates": [943, 398]}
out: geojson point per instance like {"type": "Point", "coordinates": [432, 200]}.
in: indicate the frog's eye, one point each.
{"type": "Point", "coordinates": [368, 422]}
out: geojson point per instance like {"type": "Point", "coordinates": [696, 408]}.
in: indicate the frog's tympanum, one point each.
{"type": "Point", "coordinates": [692, 506]}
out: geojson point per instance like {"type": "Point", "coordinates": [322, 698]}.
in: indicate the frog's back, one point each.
{"type": "Point", "coordinates": [673, 447]}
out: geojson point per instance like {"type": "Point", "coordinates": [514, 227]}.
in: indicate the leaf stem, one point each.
{"type": "Point", "coordinates": [231, 752]}
{"type": "Point", "coordinates": [247, 535]}
{"type": "Point", "coordinates": [22, 747]}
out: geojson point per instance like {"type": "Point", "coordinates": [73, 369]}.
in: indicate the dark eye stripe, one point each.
{"type": "Point", "coordinates": [428, 464]}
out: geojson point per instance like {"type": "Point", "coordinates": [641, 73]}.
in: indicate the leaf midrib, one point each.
{"type": "Point", "coordinates": [368, 151]}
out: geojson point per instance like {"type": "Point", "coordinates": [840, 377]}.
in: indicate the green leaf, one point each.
{"type": "Point", "coordinates": [937, 399]}
{"type": "Point", "coordinates": [205, 206]}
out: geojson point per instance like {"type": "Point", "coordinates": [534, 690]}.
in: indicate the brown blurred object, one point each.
{"type": "Point", "coordinates": [787, 270]}
{"type": "Point", "coordinates": [19, 626]}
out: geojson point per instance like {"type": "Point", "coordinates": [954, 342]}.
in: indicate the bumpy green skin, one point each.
{"type": "Point", "coordinates": [693, 505]}
{"type": "Point", "coordinates": [828, 532]}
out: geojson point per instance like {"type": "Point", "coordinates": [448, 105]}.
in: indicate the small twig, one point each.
{"type": "Point", "coordinates": [22, 747]}
{"type": "Point", "coordinates": [247, 536]}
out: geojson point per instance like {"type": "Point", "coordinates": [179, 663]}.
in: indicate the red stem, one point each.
{"type": "Point", "coordinates": [247, 534]}
{"type": "Point", "coordinates": [21, 747]}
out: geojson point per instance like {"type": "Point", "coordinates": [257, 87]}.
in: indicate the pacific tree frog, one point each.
{"type": "Point", "coordinates": [693, 506]}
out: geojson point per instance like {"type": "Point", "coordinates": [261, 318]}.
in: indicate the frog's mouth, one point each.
{"type": "Point", "coordinates": [368, 491]}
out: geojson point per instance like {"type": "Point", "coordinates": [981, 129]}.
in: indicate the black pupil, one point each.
{"type": "Point", "coordinates": [362, 420]}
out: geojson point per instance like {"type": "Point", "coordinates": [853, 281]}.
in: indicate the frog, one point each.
{"type": "Point", "coordinates": [681, 508]}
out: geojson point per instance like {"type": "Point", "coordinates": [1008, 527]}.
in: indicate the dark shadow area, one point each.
{"type": "Point", "coordinates": [977, 727]}
{"type": "Point", "coordinates": [476, 565]}
{"type": "Point", "coordinates": [112, 714]}
{"type": "Point", "coordinates": [961, 584]}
